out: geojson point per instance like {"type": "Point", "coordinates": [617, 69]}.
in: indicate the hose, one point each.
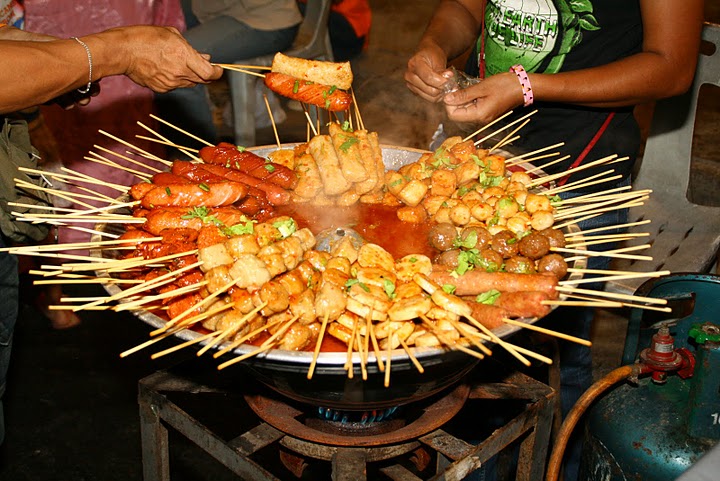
{"type": "Point", "coordinates": [578, 410]}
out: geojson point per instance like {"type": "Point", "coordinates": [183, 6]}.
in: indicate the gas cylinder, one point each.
{"type": "Point", "coordinates": [656, 428]}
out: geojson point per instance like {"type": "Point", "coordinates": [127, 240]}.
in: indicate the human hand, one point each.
{"type": "Point", "coordinates": [427, 73]}
{"type": "Point", "coordinates": [75, 98]}
{"type": "Point", "coordinates": [486, 101]}
{"type": "Point", "coordinates": [161, 59]}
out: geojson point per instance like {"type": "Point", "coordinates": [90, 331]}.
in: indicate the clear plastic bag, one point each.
{"type": "Point", "coordinates": [460, 80]}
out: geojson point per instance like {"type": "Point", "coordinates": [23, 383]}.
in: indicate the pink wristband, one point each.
{"type": "Point", "coordinates": [524, 83]}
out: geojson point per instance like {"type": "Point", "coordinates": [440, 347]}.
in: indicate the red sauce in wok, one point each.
{"type": "Point", "coordinates": [377, 224]}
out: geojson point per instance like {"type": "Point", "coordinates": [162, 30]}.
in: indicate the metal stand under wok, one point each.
{"type": "Point", "coordinates": [419, 445]}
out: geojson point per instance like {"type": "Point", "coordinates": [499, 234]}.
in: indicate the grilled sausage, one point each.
{"type": "Point", "coordinates": [194, 195]}
{"type": "Point", "coordinates": [276, 195]}
{"type": "Point", "coordinates": [323, 96]}
{"type": "Point", "coordinates": [228, 155]}
{"type": "Point", "coordinates": [476, 282]}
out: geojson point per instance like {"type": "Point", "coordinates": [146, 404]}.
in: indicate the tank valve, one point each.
{"type": "Point", "coordinates": [662, 358]}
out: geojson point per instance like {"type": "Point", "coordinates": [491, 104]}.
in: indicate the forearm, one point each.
{"type": "Point", "coordinates": [12, 33]}
{"type": "Point", "coordinates": [640, 78]}
{"type": "Point", "coordinates": [453, 28]}
{"type": "Point", "coordinates": [34, 72]}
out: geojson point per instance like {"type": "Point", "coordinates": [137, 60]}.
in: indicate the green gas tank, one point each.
{"type": "Point", "coordinates": [658, 428]}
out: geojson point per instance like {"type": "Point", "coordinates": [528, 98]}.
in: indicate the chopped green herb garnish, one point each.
{"type": "Point", "coordinates": [327, 103]}
{"type": "Point", "coordinates": [413, 259]}
{"type": "Point", "coordinates": [204, 186]}
{"type": "Point", "coordinates": [495, 219]}
{"type": "Point", "coordinates": [466, 261]}
{"type": "Point", "coordinates": [477, 160]}
{"type": "Point", "coordinates": [346, 126]}
{"type": "Point", "coordinates": [468, 242]}
{"type": "Point", "coordinates": [395, 183]}
{"type": "Point", "coordinates": [270, 167]}
{"type": "Point", "coordinates": [198, 212]}
{"type": "Point", "coordinates": [488, 297]}
{"type": "Point", "coordinates": [449, 288]}
{"type": "Point", "coordinates": [286, 227]}
{"type": "Point", "coordinates": [296, 86]}
{"type": "Point", "coordinates": [352, 282]}
{"type": "Point", "coordinates": [241, 148]}
{"type": "Point", "coordinates": [349, 142]}
{"type": "Point", "coordinates": [389, 288]}
{"type": "Point", "coordinates": [244, 227]}
{"type": "Point", "coordinates": [167, 191]}
{"type": "Point", "coordinates": [512, 241]}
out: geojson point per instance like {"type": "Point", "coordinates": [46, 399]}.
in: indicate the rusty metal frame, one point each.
{"type": "Point", "coordinates": [454, 461]}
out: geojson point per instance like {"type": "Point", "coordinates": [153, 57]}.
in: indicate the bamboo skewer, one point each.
{"type": "Point", "coordinates": [388, 361]}
{"type": "Point", "coordinates": [478, 142]}
{"type": "Point", "coordinates": [236, 69]}
{"type": "Point", "coordinates": [200, 304]}
{"type": "Point", "coordinates": [249, 67]}
{"type": "Point", "coordinates": [609, 227]}
{"type": "Point", "coordinates": [487, 126]}
{"type": "Point", "coordinates": [537, 151]}
{"type": "Point", "coordinates": [138, 149]}
{"type": "Point", "coordinates": [452, 344]}
{"type": "Point", "coordinates": [360, 122]}
{"type": "Point", "coordinates": [585, 303]}
{"type": "Point", "coordinates": [635, 275]}
{"type": "Point", "coordinates": [267, 345]}
{"type": "Point", "coordinates": [318, 343]}
{"type": "Point", "coordinates": [412, 357]}
{"type": "Point", "coordinates": [376, 348]}
{"type": "Point", "coordinates": [601, 241]}
{"type": "Point", "coordinates": [349, 362]}
{"type": "Point", "coordinates": [612, 295]}
{"type": "Point", "coordinates": [548, 178]}
{"type": "Point", "coordinates": [532, 159]}
{"type": "Point", "coordinates": [507, 139]}
{"type": "Point", "coordinates": [238, 342]}
{"type": "Point", "coordinates": [542, 167]}
{"type": "Point", "coordinates": [494, 338]}
{"type": "Point", "coordinates": [272, 120]}
{"type": "Point", "coordinates": [69, 196]}
{"type": "Point", "coordinates": [186, 151]}
{"type": "Point", "coordinates": [181, 130]}
{"type": "Point", "coordinates": [123, 157]}
{"type": "Point", "coordinates": [612, 254]}
{"type": "Point", "coordinates": [549, 332]}
{"type": "Point", "coordinates": [460, 327]}
{"type": "Point", "coordinates": [185, 344]}
{"type": "Point", "coordinates": [232, 329]}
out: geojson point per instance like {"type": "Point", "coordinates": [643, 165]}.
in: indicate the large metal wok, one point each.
{"type": "Point", "coordinates": [286, 371]}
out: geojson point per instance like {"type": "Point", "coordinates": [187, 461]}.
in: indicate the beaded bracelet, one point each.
{"type": "Point", "coordinates": [522, 76]}
{"type": "Point", "coordinates": [89, 56]}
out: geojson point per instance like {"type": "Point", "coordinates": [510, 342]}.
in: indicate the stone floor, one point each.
{"type": "Point", "coordinates": [71, 401]}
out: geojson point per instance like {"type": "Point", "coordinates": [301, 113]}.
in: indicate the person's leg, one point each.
{"type": "Point", "coordinates": [576, 360]}
{"type": "Point", "coordinates": [226, 40]}
{"type": "Point", "coordinates": [8, 316]}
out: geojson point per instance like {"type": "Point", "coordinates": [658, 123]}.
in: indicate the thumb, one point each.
{"type": "Point", "coordinates": [460, 97]}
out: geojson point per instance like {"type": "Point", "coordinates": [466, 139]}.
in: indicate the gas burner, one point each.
{"type": "Point", "coordinates": [358, 428]}
{"type": "Point", "coordinates": [355, 417]}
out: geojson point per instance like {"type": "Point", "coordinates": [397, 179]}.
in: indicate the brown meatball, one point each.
{"type": "Point", "coordinates": [553, 264]}
{"type": "Point", "coordinates": [449, 258]}
{"type": "Point", "coordinates": [554, 236]}
{"type": "Point", "coordinates": [442, 236]}
{"type": "Point", "coordinates": [489, 260]}
{"type": "Point", "coordinates": [505, 243]}
{"type": "Point", "coordinates": [483, 235]}
{"type": "Point", "coordinates": [520, 265]}
{"type": "Point", "coordinates": [535, 245]}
